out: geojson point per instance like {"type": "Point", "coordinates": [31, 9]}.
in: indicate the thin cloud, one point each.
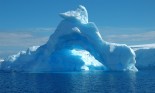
{"type": "Point", "coordinates": [14, 41]}
{"type": "Point", "coordinates": [5, 35]}
{"type": "Point", "coordinates": [128, 35]}
{"type": "Point", "coordinates": [25, 37]}
{"type": "Point", "coordinates": [146, 36]}
{"type": "Point", "coordinates": [19, 39]}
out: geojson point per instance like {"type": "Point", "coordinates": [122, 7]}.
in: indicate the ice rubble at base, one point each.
{"type": "Point", "coordinates": [76, 45]}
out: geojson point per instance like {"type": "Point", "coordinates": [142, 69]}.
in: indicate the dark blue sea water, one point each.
{"type": "Point", "coordinates": [80, 82]}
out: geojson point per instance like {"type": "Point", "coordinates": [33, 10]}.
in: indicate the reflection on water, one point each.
{"type": "Point", "coordinates": [81, 82]}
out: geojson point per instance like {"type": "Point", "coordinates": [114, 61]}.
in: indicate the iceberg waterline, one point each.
{"type": "Point", "coordinates": [76, 45]}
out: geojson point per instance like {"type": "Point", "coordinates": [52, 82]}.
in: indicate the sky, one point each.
{"type": "Point", "coordinates": [25, 23]}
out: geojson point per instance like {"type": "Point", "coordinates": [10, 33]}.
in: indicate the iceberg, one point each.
{"type": "Point", "coordinates": [76, 45]}
{"type": "Point", "coordinates": [145, 56]}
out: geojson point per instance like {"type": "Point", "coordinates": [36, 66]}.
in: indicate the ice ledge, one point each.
{"type": "Point", "coordinates": [79, 14]}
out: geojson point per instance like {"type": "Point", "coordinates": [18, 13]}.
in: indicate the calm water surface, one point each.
{"type": "Point", "coordinates": [80, 82]}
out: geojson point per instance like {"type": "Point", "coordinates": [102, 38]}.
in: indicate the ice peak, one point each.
{"type": "Point", "coordinates": [79, 14]}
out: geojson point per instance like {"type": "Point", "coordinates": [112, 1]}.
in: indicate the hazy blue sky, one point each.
{"type": "Point", "coordinates": [24, 23]}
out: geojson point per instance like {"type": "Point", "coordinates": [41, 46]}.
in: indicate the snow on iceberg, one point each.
{"type": "Point", "coordinates": [76, 45]}
{"type": "Point", "coordinates": [145, 56]}
{"type": "Point", "coordinates": [79, 14]}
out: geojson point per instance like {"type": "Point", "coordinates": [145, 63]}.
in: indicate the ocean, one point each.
{"type": "Point", "coordinates": [78, 82]}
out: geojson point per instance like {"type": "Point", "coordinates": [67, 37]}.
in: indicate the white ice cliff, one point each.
{"type": "Point", "coordinates": [145, 56]}
{"type": "Point", "coordinates": [76, 45]}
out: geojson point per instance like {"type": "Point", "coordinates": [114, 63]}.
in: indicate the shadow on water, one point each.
{"type": "Point", "coordinates": [79, 82]}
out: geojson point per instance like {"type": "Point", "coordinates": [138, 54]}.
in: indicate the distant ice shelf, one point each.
{"type": "Point", "coordinates": [145, 56]}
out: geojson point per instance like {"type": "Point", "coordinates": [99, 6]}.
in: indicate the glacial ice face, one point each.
{"type": "Point", "coordinates": [76, 45]}
{"type": "Point", "coordinates": [145, 56]}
